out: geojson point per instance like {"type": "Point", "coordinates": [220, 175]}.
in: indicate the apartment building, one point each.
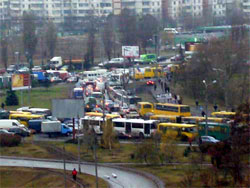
{"type": "Point", "coordinates": [55, 10]}
{"type": "Point", "coordinates": [245, 6]}
{"type": "Point", "coordinates": [153, 7]}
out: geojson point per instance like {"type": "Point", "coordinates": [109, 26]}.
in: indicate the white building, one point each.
{"type": "Point", "coordinates": [55, 9]}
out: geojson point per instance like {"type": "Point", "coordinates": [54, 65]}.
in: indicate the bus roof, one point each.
{"type": "Point", "coordinates": [133, 120]}
{"type": "Point", "coordinates": [177, 125]}
{"type": "Point", "coordinates": [98, 114]}
{"type": "Point", "coordinates": [223, 113]}
{"type": "Point", "coordinates": [170, 104]}
{"type": "Point", "coordinates": [144, 103]}
{"type": "Point", "coordinates": [20, 112]}
{"type": "Point", "coordinates": [164, 116]}
{"type": "Point", "coordinates": [27, 115]}
{"type": "Point", "coordinates": [213, 124]}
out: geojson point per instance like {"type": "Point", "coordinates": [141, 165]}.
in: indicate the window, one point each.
{"type": "Point", "coordinates": [185, 109]}
{"type": "Point", "coordinates": [119, 124]}
{"type": "Point", "coordinates": [153, 126]}
{"type": "Point", "coordinates": [137, 125]}
{"type": "Point", "coordinates": [146, 106]}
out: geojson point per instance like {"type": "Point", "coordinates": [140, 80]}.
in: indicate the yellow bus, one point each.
{"type": "Point", "coordinates": [138, 75]}
{"type": "Point", "coordinates": [152, 72]}
{"type": "Point", "coordinates": [165, 118]}
{"type": "Point", "coordinates": [178, 131]}
{"type": "Point", "coordinates": [24, 118]}
{"type": "Point", "coordinates": [224, 114]}
{"type": "Point", "coordinates": [20, 112]}
{"type": "Point", "coordinates": [197, 119]}
{"type": "Point", "coordinates": [144, 108]}
{"type": "Point", "coordinates": [97, 114]}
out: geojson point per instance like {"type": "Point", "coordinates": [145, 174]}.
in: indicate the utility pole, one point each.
{"type": "Point", "coordinates": [96, 171]}
{"type": "Point", "coordinates": [64, 167]}
{"type": "Point", "coordinates": [78, 148]}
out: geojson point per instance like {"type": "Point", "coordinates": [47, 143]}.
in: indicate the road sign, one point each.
{"type": "Point", "coordinates": [130, 51]}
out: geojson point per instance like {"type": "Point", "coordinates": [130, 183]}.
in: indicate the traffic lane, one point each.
{"type": "Point", "coordinates": [124, 179]}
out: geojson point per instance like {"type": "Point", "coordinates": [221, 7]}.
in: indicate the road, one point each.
{"type": "Point", "coordinates": [125, 179]}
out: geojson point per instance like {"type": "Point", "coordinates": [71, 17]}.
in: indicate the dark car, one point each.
{"type": "Point", "coordinates": [161, 58]}
{"type": "Point", "coordinates": [20, 131]}
{"type": "Point", "coordinates": [3, 131]}
{"type": "Point", "coordinates": [206, 141]}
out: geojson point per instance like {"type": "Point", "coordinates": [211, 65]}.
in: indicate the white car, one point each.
{"type": "Point", "coordinates": [23, 70]}
{"type": "Point", "coordinates": [36, 68]}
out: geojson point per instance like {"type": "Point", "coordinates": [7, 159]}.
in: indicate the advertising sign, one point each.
{"type": "Point", "coordinates": [130, 51]}
{"type": "Point", "coordinates": [20, 81]}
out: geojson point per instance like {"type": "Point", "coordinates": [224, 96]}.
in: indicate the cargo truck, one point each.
{"type": "Point", "coordinates": [55, 128]}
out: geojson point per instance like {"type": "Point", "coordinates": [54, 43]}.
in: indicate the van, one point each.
{"type": "Point", "coordinates": [148, 58]}
{"type": "Point", "coordinates": [10, 123]}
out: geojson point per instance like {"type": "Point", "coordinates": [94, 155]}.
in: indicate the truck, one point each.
{"type": "Point", "coordinates": [41, 76]}
{"type": "Point", "coordinates": [58, 62]}
{"type": "Point", "coordinates": [55, 128]}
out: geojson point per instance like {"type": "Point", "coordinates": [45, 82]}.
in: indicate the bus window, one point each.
{"type": "Point", "coordinates": [185, 109]}
{"type": "Point", "coordinates": [119, 124]}
{"type": "Point", "coordinates": [137, 125]}
{"type": "Point", "coordinates": [147, 106]}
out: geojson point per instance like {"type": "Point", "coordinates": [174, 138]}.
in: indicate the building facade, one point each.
{"type": "Point", "coordinates": [55, 10]}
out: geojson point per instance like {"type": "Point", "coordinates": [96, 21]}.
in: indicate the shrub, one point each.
{"type": "Point", "coordinates": [11, 98]}
{"type": "Point", "coordinates": [7, 140]}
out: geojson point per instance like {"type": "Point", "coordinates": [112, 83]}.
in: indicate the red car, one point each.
{"type": "Point", "coordinates": [150, 82]}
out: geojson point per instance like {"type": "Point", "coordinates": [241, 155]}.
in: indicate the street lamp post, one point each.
{"type": "Point", "coordinates": [206, 100]}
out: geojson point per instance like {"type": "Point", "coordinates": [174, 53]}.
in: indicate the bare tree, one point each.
{"type": "Point", "coordinates": [51, 38]}
{"type": "Point", "coordinates": [4, 52]}
{"type": "Point", "coordinates": [108, 36]}
{"type": "Point", "coordinates": [92, 26]}
{"type": "Point", "coordinates": [221, 60]}
{"type": "Point", "coordinates": [109, 136]}
{"type": "Point", "coordinates": [29, 34]}
{"type": "Point", "coordinates": [127, 27]}
{"type": "Point", "coordinates": [147, 27]}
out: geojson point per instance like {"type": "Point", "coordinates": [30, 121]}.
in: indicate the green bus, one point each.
{"type": "Point", "coordinates": [220, 131]}
{"type": "Point", "coordinates": [148, 58]}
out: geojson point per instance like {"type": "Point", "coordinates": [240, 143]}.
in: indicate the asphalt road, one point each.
{"type": "Point", "coordinates": [124, 179]}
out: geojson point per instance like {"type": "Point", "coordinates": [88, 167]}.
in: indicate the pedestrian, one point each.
{"type": "Point", "coordinates": [190, 142]}
{"type": "Point", "coordinates": [159, 81]}
{"type": "Point", "coordinates": [178, 99]}
{"type": "Point", "coordinates": [155, 86]}
{"type": "Point", "coordinates": [215, 107]}
{"type": "Point", "coordinates": [203, 113]}
{"type": "Point", "coordinates": [74, 173]}
{"type": "Point", "coordinates": [2, 105]}
{"type": "Point", "coordinates": [175, 96]}
{"type": "Point", "coordinates": [197, 103]}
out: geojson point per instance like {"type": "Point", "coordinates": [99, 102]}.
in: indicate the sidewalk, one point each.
{"type": "Point", "coordinates": [162, 97]}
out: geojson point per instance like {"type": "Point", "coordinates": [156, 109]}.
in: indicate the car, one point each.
{"type": "Point", "coordinates": [24, 70]}
{"type": "Point", "coordinates": [55, 79]}
{"type": "Point", "coordinates": [20, 131]}
{"type": "Point", "coordinates": [206, 141]}
{"type": "Point", "coordinates": [114, 175]}
{"type": "Point", "coordinates": [150, 82]}
{"type": "Point", "coordinates": [36, 68]}
{"type": "Point", "coordinates": [72, 79]}
{"type": "Point", "coordinates": [107, 177]}
{"type": "Point", "coordinates": [3, 131]}
{"type": "Point", "coordinates": [11, 68]}
{"type": "Point", "coordinates": [161, 58]}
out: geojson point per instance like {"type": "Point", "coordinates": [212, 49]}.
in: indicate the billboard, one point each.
{"type": "Point", "coordinates": [130, 51]}
{"type": "Point", "coordinates": [20, 81]}
{"type": "Point", "coordinates": [67, 108]}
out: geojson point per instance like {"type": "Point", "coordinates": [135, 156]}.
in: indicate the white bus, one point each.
{"type": "Point", "coordinates": [92, 121]}
{"type": "Point", "coordinates": [95, 74]}
{"type": "Point", "coordinates": [134, 127]}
